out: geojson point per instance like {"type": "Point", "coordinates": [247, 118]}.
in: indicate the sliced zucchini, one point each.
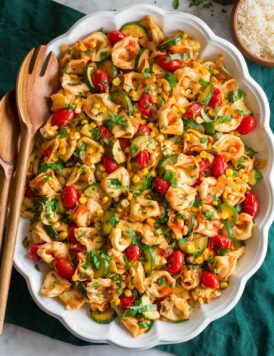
{"type": "Point", "coordinates": [140, 143]}
{"type": "Point", "coordinates": [231, 212]}
{"type": "Point", "coordinates": [147, 324]}
{"type": "Point", "coordinates": [149, 263]}
{"type": "Point", "coordinates": [134, 29]}
{"type": "Point", "coordinates": [140, 59]}
{"type": "Point", "coordinates": [118, 153]}
{"type": "Point", "coordinates": [109, 68]}
{"type": "Point", "coordinates": [110, 220]}
{"type": "Point", "coordinates": [190, 223]}
{"type": "Point", "coordinates": [104, 266]}
{"type": "Point", "coordinates": [206, 95]}
{"type": "Point", "coordinates": [190, 124]}
{"type": "Point", "coordinates": [104, 317]}
{"type": "Point", "coordinates": [227, 230]}
{"type": "Point", "coordinates": [170, 42]}
{"type": "Point", "coordinates": [151, 315]}
{"type": "Point", "coordinates": [121, 98]}
{"type": "Point", "coordinates": [255, 177]}
{"type": "Point", "coordinates": [88, 77]}
{"type": "Point", "coordinates": [204, 116]}
{"type": "Point", "coordinates": [199, 244]}
{"type": "Point", "coordinates": [169, 159]}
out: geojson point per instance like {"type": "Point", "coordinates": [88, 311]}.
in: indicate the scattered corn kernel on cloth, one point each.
{"type": "Point", "coordinates": [249, 328]}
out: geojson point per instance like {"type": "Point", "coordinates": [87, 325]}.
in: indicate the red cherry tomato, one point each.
{"type": "Point", "coordinates": [219, 165]}
{"type": "Point", "coordinates": [29, 193]}
{"type": "Point", "coordinates": [69, 197]}
{"type": "Point", "coordinates": [218, 242]}
{"type": "Point", "coordinates": [210, 280]}
{"type": "Point", "coordinates": [63, 267]}
{"type": "Point", "coordinates": [100, 80]}
{"type": "Point", "coordinates": [62, 117]}
{"type": "Point", "coordinates": [143, 130]}
{"type": "Point", "coordinates": [77, 247]}
{"type": "Point", "coordinates": [216, 98]}
{"type": "Point", "coordinates": [158, 303]}
{"type": "Point", "coordinates": [47, 152]}
{"type": "Point", "coordinates": [193, 110]}
{"type": "Point", "coordinates": [126, 302]}
{"type": "Point", "coordinates": [175, 262]}
{"type": "Point", "coordinates": [32, 252]}
{"type": "Point", "coordinates": [247, 125]}
{"type": "Point", "coordinates": [167, 252]}
{"type": "Point", "coordinates": [169, 65]}
{"type": "Point", "coordinates": [109, 164]}
{"type": "Point", "coordinates": [105, 133]}
{"type": "Point", "coordinates": [161, 185]}
{"type": "Point", "coordinates": [124, 143]}
{"type": "Point", "coordinates": [205, 170]}
{"type": "Point", "coordinates": [145, 104]}
{"type": "Point", "coordinates": [143, 158]}
{"type": "Point", "coordinates": [133, 253]}
{"type": "Point", "coordinates": [71, 233]}
{"type": "Point", "coordinates": [251, 204]}
{"type": "Point", "coordinates": [115, 36]}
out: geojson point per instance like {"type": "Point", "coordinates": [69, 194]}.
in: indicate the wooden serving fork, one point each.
{"type": "Point", "coordinates": [37, 80]}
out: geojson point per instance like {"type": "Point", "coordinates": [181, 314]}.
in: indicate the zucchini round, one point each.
{"type": "Point", "coordinates": [104, 267]}
{"type": "Point", "coordinates": [121, 98]}
{"type": "Point", "coordinates": [104, 317]}
{"type": "Point", "coordinates": [134, 29]}
{"type": "Point", "coordinates": [227, 230]}
{"type": "Point", "coordinates": [206, 95]}
{"type": "Point", "coordinates": [231, 212]}
{"type": "Point", "coordinates": [190, 223]}
{"type": "Point", "coordinates": [151, 315]}
{"type": "Point", "coordinates": [149, 263]}
{"type": "Point", "coordinates": [88, 77]}
{"type": "Point", "coordinates": [200, 244]}
{"type": "Point", "coordinates": [109, 68]}
{"type": "Point", "coordinates": [170, 42]}
{"type": "Point", "coordinates": [169, 159]}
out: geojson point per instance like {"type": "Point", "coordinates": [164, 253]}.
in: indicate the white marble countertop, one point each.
{"type": "Point", "coordinates": [17, 341]}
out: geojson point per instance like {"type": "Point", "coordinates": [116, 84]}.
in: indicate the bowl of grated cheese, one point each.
{"type": "Point", "coordinates": [252, 23]}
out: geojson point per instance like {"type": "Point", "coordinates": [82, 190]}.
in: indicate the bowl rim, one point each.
{"type": "Point", "coordinates": [241, 281]}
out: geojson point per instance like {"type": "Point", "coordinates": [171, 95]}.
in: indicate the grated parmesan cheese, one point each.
{"type": "Point", "coordinates": [256, 26]}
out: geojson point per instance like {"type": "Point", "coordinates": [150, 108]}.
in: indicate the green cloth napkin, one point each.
{"type": "Point", "coordinates": [249, 328]}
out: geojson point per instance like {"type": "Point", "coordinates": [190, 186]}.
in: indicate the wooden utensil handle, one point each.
{"type": "Point", "coordinates": [6, 179]}
{"type": "Point", "coordinates": [13, 220]}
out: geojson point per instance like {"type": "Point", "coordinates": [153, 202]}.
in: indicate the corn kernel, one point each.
{"type": "Point", "coordinates": [128, 293]}
{"type": "Point", "coordinates": [190, 248]}
{"type": "Point", "coordinates": [119, 210]}
{"type": "Point", "coordinates": [232, 149]}
{"type": "Point", "coordinates": [153, 174]}
{"type": "Point", "coordinates": [130, 196]}
{"type": "Point", "coordinates": [116, 82]}
{"type": "Point", "coordinates": [78, 110]}
{"type": "Point", "coordinates": [93, 125]}
{"type": "Point", "coordinates": [237, 188]}
{"type": "Point", "coordinates": [230, 179]}
{"type": "Point", "coordinates": [127, 150]}
{"type": "Point", "coordinates": [245, 177]}
{"type": "Point", "coordinates": [224, 285]}
{"type": "Point", "coordinates": [117, 301]}
{"type": "Point", "coordinates": [97, 105]}
{"type": "Point", "coordinates": [133, 93]}
{"type": "Point", "coordinates": [82, 47]}
{"type": "Point", "coordinates": [187, 137]}
{"type": "Point", "coordinates": [64, 235]}
{"type": "Point", "coordinates": [209, 146]}
{"type": "Point", "coordinates": [211, 112]}
{"type": "Point", "coordinates": [199, 260]}
{"type": "Point", "coordinates": [56, 225]}
{"type": "Point", "coordinates": [150, 125]}
{"type": "Point", "coordinates": [90, 150]}
{"type": "Point", "coordinates": [77, 135]}
{"type": "Point", "coordinates": [104, 200]}
{"type": "Point", "coordinates": [150, 221]}
{"type": "Point", "coordinates": [229, 172]}
{"type": "Point", "coordinates": [225, 195]}
{"type": "Point", "coordinates": [182, 110]}
{"type": "Point", "coordinates": [74, 278]}
{"type": "Point", "coordinates": [198, 159]}
{"type": "Point", "coordinates": [203, 154]}
{"type": "Point", "coordinates": [63, 150]}
{"type": "Point", "coordinates": [83, 200]}
{"type": "Point", "coordinates": [137, 114]}
{"type": "Point", "coordinates": [215, 203]}
{"type": "Point", "coordinates": [102, 168]}
{"type": "Point", "coordinates": [135, 179]}
{"type": "Point", "coordinates": [84, 122]}
{"type": "Point", "coordinates": [160, 138]}
{"type": "Point", "coordinates": [145, 171]}
{"type": "Point", "coordinates": [100, 212]}
{"type": "Point", "coordinates": [216, 71]}
{"type": "Point", "coordinates": [185, 36]}
{"type": "Point", "coordinates": [225, 215]}
{"type": "Point", "coordinates": [103, 109]}
{"type": "Point", "coordinates": [182, 91]}
{"type": "Point", "coordinates": [206, 253]}
{"type": "Point", "coordinates": [143, 122]}
{"type": "Point", "coordinates": [152, 134]}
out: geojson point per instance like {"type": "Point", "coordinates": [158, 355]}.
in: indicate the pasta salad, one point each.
{"type": "Point", "coordinates": [139, 187]}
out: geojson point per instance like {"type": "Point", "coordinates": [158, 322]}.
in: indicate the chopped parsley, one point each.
{"type": "Point", "coordinates": [235, 95]}
{"type": "Point", "coordinates": [175, 4]}
{"type": "Point", "coordinates": [115, 120]}
{"type": "Point", "coordinates": [171, 78]}
{"type": "Point", "coordinates": [63, 132]}
{"type": "Point", "coordinates": [25, 242]}
{"type": "Point", "coordinates": [209, 215]}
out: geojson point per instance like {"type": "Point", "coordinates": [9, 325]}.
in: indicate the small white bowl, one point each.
{"type": "Point", "coordinates": [79, 321]}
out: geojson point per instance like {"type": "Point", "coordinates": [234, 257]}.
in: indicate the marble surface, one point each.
{"type": "Point", "coordinates": [17, 341]}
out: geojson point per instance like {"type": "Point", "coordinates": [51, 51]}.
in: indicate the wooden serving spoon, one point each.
{"type": "Point", "coordinates": [9, 131]}
{"type": "Point", "coordinates": [37, 80]}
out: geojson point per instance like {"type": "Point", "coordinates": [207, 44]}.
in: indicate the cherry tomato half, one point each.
{"type": "Point", "coordinates": [210, 280]}
{"type": "Point", "coordinates": [193, 110]}
{"type": "Point", "coordinates": [109, 164]}
{"type": "Point", "coordinates": [71, 233]}
{"type": "Point", "coordinates": [63, 267]}
{"type": "Point", "coordinates": [247, 125]}
{"type": "Point", "coordinates": [143, 158]}
{"type": "Point", "coordinates": [29, 193]}
{"type": "Point", "coordinates": [143, 130]}
{"type": "Point", "coordinates": [251, 204]}
{"type": "Point", "coordinates": [115, 36]}
{"type": "Point", "coordinates": [62, 117]}
{"type": "Point", "coordinates": [100, 80]}
{"type": "Point", "coordinates": [47, 152]}
{"type": "Point", "coordinates": [169, 65]}
{"type": "Point", "coordinates": [216, 98]}
{"type": "Point", "coordinates": [105, 133]}
{"type": "Point", "coordinates": [167, 252]}
{"type": "Point", "coordinates": [126, 302]}
{"type": "Point", "coordinates": [77, 247]}
{"type": "Point", "coordinates": [145, 104]}
{"type": "Point", "coordinates": [133, 253]}
{"type": "Point", "coordinates": [218, 242]}
{"type": "Point", "coordinates": [175, 262]}
{"type": "Point", "coordinates": [205, 170]}
{"type": "Point", "coordinates": [124, 143]}
{"type": "Point", "coordinates": [161, 185]}
{"type": "Point", "coordinates": [32, 252]}
{"type": "Point", "coordinates": [69, 197]}
{"type": "Point", "coordinates": [219, 165]}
